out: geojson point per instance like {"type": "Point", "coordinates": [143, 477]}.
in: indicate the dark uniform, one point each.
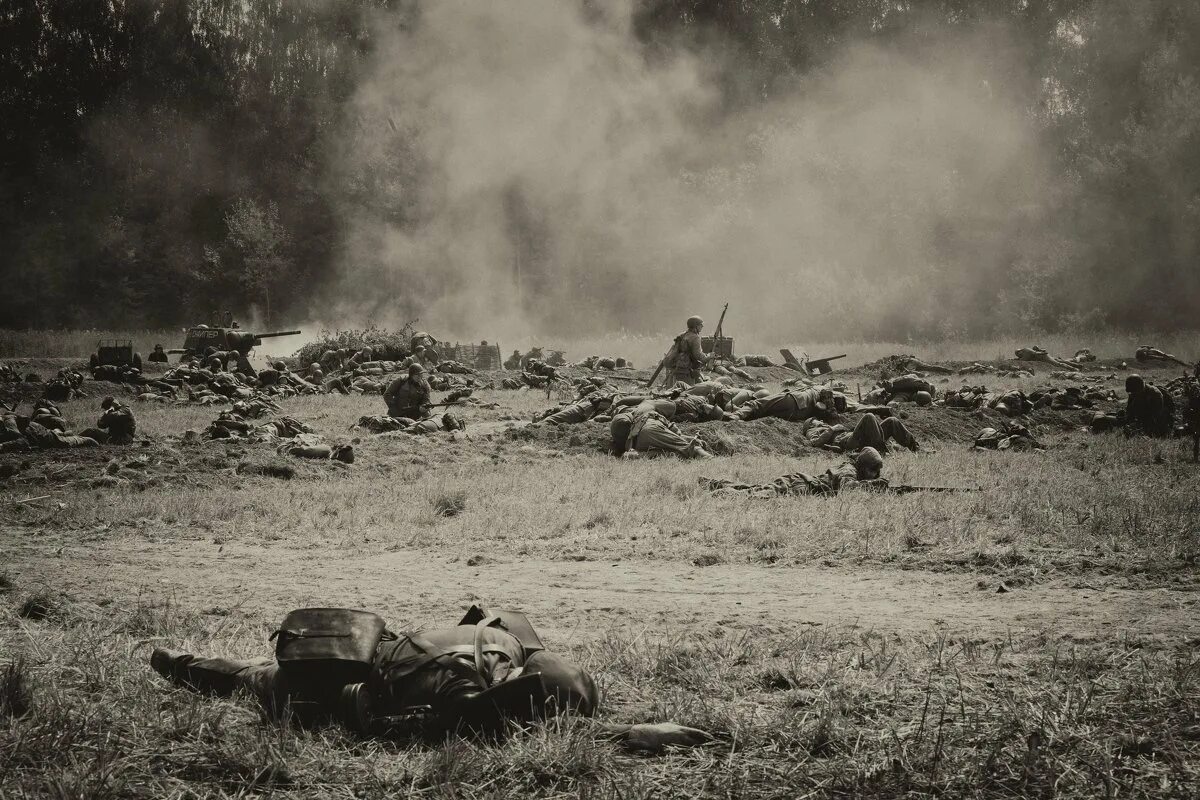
{"type": "Point", "coordinates": [688, 358]}
{"type": "Point", "coordinates": [1148, 410]}
{"type": "Point", "coordinates": [863, 470]}
{"type": "Point", "coordinates": [1191, 417]}
{"type": "Point", "coordinates": [408, 397]}
{"type": "Point", "coordinates": [472, 676]}
{"type": "Point", "coordinates": [117, 420]}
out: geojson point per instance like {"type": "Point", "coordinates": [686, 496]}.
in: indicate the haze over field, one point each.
{"type": "Point", "coordinates": [554, 168]}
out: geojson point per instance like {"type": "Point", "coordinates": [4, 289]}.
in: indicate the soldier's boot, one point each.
{"type": "Point", "coordinates": [170, 663]}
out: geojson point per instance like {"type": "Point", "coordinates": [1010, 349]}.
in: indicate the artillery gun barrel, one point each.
{"type": "Point", "coordinates": [276, 333]}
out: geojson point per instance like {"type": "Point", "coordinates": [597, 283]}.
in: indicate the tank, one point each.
{"type": "Point", "coordinates": [202, 337]}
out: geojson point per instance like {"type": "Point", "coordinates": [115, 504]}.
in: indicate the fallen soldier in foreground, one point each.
{"type": "Point", "coordinates": [477, 678]}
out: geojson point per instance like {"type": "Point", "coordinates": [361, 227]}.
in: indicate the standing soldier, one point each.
{"type": "Point", "coordinates": [483, 358]}
{"type": "Point", "coordinates": [687, 356]}
{"type": "Point", "coordinates": [409, 396]}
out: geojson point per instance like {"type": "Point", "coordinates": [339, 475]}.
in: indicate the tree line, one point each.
{"type": "Point", "coordinates": [164, 159]}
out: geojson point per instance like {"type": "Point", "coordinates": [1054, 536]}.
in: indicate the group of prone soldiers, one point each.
{"type": "Point", "coordinates": [46, 429]}
{"type": "Point", "coordinates": [642, 423]}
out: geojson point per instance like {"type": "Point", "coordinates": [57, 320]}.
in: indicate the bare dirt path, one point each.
{"type": "Point", "coordinates": [569, 598]}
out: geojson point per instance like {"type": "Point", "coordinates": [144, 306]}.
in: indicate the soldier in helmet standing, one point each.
{"type": "Point", "coordinates": [686, 355]}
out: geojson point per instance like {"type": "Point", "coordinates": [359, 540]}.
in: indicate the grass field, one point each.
{"type": "Point", "coordinates": [1038, 637]}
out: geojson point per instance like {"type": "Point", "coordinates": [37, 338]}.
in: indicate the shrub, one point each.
{"type": "Point", "coordinates": [388, 345]}
{"type": "Point", "coordinates": [450, 503]}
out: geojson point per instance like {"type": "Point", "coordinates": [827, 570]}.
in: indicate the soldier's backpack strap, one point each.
{"type": "Point", "coordinates": [480, 627]}
{"type": "Point", "coordinates": [431, 654]}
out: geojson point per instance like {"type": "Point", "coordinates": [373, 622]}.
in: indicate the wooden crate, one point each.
{"type": "Point", "coordinates": [722, 345]}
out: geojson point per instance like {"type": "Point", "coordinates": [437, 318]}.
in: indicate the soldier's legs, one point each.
{"type": "Point", "coordinates": [101, 436]}
{"type": "Point", "coordinates": [894, 428]}
{"type": "Point", "coordinates": [685, 376]}
{"type": "Point", "coordinates": [656, 436]}
{"type": "Point", "coordinates": [867, 433]}
{"type": "Point", "coordinates": [223, 676]}
{"type": "Point", "coordinates": [752, 409]}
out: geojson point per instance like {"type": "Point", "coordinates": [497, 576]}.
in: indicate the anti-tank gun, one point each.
{"type": "Point", "coordinates": [199, 339]}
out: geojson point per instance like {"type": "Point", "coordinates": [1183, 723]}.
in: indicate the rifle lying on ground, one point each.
{"type": "Point", "coordinates": [902, 488]}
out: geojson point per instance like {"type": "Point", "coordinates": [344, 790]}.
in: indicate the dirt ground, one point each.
{"type": "Point", "coordinates": [578, 600]}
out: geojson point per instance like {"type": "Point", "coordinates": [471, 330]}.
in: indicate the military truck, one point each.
{"type": "Point", "coordinates": [115, 352]}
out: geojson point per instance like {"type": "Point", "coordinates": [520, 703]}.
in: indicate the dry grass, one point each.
{"type": "Point", "coordinates": [816, 711]}
{"type": "Point", "coordinates": [80, 344]}
{"type": "Point", "coordinates": [1088, 504]}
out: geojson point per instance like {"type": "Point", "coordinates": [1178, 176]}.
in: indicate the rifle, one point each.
{"type": "Point", "coordinates": [720, 322]}
{"type": "Point", "coordinates": [662, 363]}
{"type": "Point", "coordinates": [901, 488]}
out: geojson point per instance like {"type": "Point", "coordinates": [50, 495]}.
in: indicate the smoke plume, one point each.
{"type": "Point", "coordinates": [528, 166]}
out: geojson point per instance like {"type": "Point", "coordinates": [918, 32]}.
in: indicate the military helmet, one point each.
{"type": "Point", "coordinates": [415, 369]}
{"type": "Point", "coordinates": [923, 398]}
{"type": "Point", "coordinates": [694, 322]}
{"type": "Point", "coordinates": [868, 464]}
{"type": "Point", "coordinates": [1134, 383]}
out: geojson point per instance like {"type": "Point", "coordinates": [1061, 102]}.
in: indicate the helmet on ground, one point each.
{"type": "Point", "coordinates": [923, 398]}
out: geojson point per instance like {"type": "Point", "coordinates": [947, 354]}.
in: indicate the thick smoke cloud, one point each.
{"type": "Point", "coordinates": [526, 166]}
